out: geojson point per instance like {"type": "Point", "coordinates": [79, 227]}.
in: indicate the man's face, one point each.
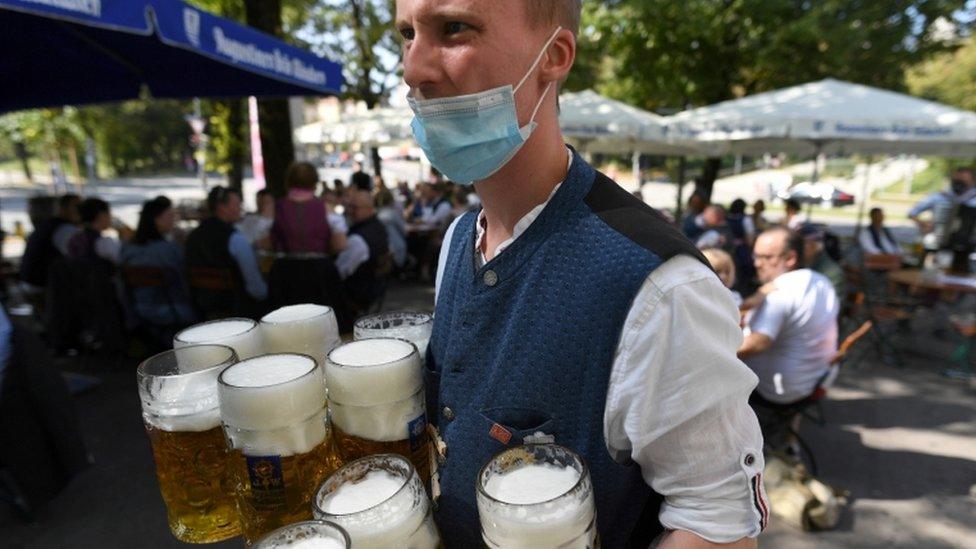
{"type": "Point", "coordinates": [231, 211]}
{"type": "Point", "coordinates": [103, 221]}
{"type": "Point", "coordinates": [771, 257]}
{"type": "Point", "coordinates": [713, 217]}
{"type": "Point", "coordinates": [460, 47]}
{"type": "Point", "coordinates": [71, 212]}
{"type": "Point", "coordinates": [962, 181]}
{"type": "Point", "coordinates": [877, 218]}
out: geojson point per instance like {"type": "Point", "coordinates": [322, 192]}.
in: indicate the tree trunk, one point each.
{"type": "Point", "coordinates": [229, 127]}
{"type": "Point", "coordinates": [276, 134]}
{"type": "Point", "coordinates": [21, 151]}
{"type": "Point", "coordinates": [236, 152]}
{"type": "Point", "coordinates": [705, 183]}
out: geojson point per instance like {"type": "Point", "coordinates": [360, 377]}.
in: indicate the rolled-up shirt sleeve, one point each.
{"type": "Point", "coordinates": [677, 405]}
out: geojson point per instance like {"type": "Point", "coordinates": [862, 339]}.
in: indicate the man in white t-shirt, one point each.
{"type": "Point", "coordinates": [792, 337]}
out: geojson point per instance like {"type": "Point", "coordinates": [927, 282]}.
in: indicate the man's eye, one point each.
{"type": "Point", "coordinates": [406, 33]}
{"type": "Point", "coordinates": [455, 27]}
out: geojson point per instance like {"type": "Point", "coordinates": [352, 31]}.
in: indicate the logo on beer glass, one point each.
{"type": "Point", "coordinates": [267, 481]}
{"type": "Point", "coordinates": [191, 24]}
{"type": "Point", "coordinates": [417, 428]}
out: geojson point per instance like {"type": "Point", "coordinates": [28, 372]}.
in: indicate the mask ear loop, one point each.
{"type": "Point", "coordinates": [538, 58]}
{"type": "Point", "coordinates": [532, 68]}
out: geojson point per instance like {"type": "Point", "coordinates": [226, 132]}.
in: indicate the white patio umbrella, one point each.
{"type": "Point", "coordinates": [382, 126]}
{"type": "Point", "coordinates": [598, 124]}
{"type": "Point", "coordinates": [828, 116]}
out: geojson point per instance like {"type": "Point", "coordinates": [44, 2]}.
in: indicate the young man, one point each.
{"type": "Point", "coordinates": [566, 306]}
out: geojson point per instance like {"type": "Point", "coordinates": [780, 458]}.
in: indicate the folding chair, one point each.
{"type": "Point", "coordinates": [864, 304]}
{"type": "Point", "coordinates": [811, 407]}
{"type": "Point", "coordinates": [215, 292]}
{"type": "Point", "coordinates": [155, 278]}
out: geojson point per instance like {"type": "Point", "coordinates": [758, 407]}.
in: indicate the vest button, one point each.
{"type": "Point", "coordinates": [448, 413]}
{"type": "Point", "coordinates": [491, 278]}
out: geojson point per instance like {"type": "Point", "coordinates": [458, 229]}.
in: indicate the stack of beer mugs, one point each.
{"type": "Point", "coordinates": [250, 425]}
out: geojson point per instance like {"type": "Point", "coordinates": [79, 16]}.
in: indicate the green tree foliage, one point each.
{"type": "Point", "coordinates": [142, 136]}
{"type": "Point", "coordinates": [658, 54]}
{"type": "Point", "coordinates": [360, 35]}
{"type": "Point", "coordinates": [948, 78]}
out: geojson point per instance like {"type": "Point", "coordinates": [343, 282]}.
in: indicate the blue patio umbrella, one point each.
{"type": "Point", "coordinates": [59, 52]}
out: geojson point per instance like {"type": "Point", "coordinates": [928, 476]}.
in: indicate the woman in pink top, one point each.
{"type": "Point", "coordinates": [301, 224]}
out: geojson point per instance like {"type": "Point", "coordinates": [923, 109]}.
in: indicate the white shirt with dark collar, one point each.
{"type": "Point", "coordinates": [677, 396]}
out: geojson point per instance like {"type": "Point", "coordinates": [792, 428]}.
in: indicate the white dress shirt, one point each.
{"type": "Point", "coordinates": [677, 397]}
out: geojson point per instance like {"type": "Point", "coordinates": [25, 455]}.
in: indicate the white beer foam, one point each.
{"type": "Point", "coordinates": [532, 483]}
{"type": "Point", "coordinates": [307, 329]}
{"type": "Point", "coordinates": [538, 517]}
{"type": "Point", "coordinates": [293, 313]}
{"type": "Point", "coordinates": [373, 371]}
{"type": "Point", "coordinates": [238, 333]}
{"type": "Point", "coordinates": [274, 405]}
{"type": "Point", "coordinates": [400, 522]}
{"type": "Point", "coordinates": [375, 388]}
{"type": "Point", "coordinates": [399, 327]}
{"type": "Point", "coordinates": [352, 497]}
{"type": "Point", "coordinates": [313, 543]}
{"type": "Point", "coordinates": [380, 422]}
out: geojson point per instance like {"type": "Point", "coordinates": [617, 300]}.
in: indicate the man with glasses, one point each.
{"type": "Point", "coordinates": [792, 335]}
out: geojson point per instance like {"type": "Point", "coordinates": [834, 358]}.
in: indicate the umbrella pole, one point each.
{"type": "Point", "coordinates": [816, 162]}
{"type": "Point", "coordinates": [681, 187]}
{"type": "Point", "coordinates": [635, 167]}
{"type": "Point", "coordinates": [864, 200]}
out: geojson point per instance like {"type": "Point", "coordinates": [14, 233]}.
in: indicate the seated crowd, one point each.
{"type": "Point", "coordinates": [335, 245]}
{"type": "Point", "coordinates": [795, 291]}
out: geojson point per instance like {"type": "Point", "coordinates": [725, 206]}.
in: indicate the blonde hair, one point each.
{"type": "Point", "coordinates": [550, 13]}
{"type": "Point", "coordinates": [721, 261]}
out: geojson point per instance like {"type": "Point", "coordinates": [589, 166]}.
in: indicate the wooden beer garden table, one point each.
{"type": "Point", "coordinates": [946, 285]}
{"type": "Point", "coordinates": [943, 283]}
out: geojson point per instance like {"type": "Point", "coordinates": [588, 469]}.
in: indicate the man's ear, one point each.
{"type": "Point", "coordinates": [559, 57]}
{"type": "Point", "coordinates": [792, 259]}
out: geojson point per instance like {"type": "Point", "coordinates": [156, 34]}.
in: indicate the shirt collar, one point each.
{"type": "Point", "coordinates": [521, 225]}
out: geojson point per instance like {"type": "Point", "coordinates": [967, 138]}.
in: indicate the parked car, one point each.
{"type": "Point", "coordinates": [816, 193]}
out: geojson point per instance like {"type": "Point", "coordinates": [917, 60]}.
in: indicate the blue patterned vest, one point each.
{"type": "Point", "coordinates": [526, 343]}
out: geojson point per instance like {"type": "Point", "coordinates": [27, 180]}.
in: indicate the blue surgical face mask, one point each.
{"type": "Point", "coordinates": [470, 137]}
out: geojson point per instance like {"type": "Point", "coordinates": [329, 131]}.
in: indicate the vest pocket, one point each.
{"type": "Point", "coordinates": [518, 421]}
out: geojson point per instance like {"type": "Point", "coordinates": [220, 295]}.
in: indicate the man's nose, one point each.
{"type": "Point", "coordinates": [421, 64]}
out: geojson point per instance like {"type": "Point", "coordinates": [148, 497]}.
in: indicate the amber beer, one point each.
{"type": "Point", "coordinates": [274, 414]}
{"type": "Point", "coordinates": [178, 390]}
{"type": "Point", "coordinates": [376, 396]}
